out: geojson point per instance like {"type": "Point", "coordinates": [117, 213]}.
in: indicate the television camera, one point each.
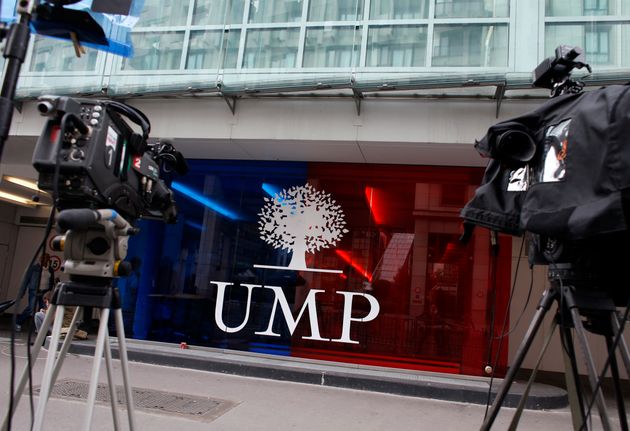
{"type": "Point", "coordinates": [103, 176]}
{"type": "Point", "coordinates": [99, 171]}
{"type": "Point", "coordinates": [89, 156]}
{"type": "Point", "coordinates": [560, 174]}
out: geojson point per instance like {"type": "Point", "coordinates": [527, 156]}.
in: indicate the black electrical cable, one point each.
{"type": "Point", "coordinates": [21, 293]}
{"type": "Point", "coordinates": [529, 295]}
{"type": "Point", "coordinates": [78, 123]}
{"type": "Point", "coordinates": [500, 337]}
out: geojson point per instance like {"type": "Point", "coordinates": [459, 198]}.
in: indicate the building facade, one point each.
{"type": "Point", "coordinates": [331, 149]}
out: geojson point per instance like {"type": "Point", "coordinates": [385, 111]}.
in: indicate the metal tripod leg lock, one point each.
{"type": "Point", "coordinates": [94, 246]}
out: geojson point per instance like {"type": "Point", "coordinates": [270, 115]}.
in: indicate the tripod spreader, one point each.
{"type": "Point", "coordinates": [86, 294]}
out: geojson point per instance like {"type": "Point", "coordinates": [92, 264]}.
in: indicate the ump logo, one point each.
{"type": "Point", "coordinates": [300, 220]}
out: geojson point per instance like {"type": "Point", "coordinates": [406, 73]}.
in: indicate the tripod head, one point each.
{"type": "Point", "coordinates": [94, 244]}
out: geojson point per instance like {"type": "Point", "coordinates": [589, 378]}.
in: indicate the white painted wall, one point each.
{"type": "Point", "coordinates": [407, 131]}
{"type": "Point", "coordinates": [8, 238]}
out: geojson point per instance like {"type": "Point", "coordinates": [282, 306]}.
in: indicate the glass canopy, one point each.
{"type": "Point", "coordinates": [238, 47]}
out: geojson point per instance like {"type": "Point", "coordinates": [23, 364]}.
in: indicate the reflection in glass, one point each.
{"type": "Point", "coordinates": [399, 9]}
{"type": "Point", "coordinates": [214, 12]}
{"type": "Point", "coordinates": [586, 7]}
{"type": "Point", "coordinates": [54, 55]}
{"type": "Point", "coordinates": [155, 51]}
{"type": "Point", "coordinates": [332, 47]}
{"type": "Point", "coordinates": [472, 8]}
{"type": "Point", "coordinates": [205, 50]}
{"type": "Point", "coordinates": [327, 10]}
{"type": "Point", "coordinates": [470, 45]}
{"type": "Point", "coordinates": [275, 10]}
{"type": "Point", "coordinates": [600, 41]}
{"type": "Point", "coordinates": [396, 46]}
{"type": "Point", "coordinates": [399, 246]}
{"type": "Point", "coordinates": [156, 13]}
{"type": "Point", "coordinates": [271, 48]}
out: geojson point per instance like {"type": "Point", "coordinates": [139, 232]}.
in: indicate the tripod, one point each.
{"type": "Point", "coordinates": [106, 298]}
{"type": "Point", "coordinates": [94, 246]}
{"type": "Point", "coordinates": [574, 302]}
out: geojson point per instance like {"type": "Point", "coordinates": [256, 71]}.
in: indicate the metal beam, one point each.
{"type": "Point", "coordinates": [231, 103]}
{"type": "Point", "coordinates": [499, 94]}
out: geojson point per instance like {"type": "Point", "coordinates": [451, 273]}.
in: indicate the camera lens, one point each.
{"type": "Point", "coordinates": [515, 146]}
{"type": "Point", "coordinates": [45, 108]}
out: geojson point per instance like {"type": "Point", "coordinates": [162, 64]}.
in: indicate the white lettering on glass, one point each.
{"type": "Point", "coordinates": [218, 309]}
{"type": "Point", "coordinates": [347, 314]}
{"type": "Point", "coordinates": [288, 317]}
{"type": "Point", "coordinates": [310, 305]}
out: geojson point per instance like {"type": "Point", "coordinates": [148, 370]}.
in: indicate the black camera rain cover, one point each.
{"type": "Point", "coordinates": [578, 183]}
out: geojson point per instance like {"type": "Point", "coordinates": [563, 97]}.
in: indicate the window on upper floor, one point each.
{"type": "Point", "coordinates": [271, 48]}
{"type": "Point", "coordinates": [332, 47]}
{"type": "Point", "coordinates": [269, 11]}
{"type": "Point", "coordinates": [399, 9]}
{"type": "Point", "coordinates": [397, 46]}
{"type": "Point", "coordinates": [54, 55]}
{"type": "Point", "coordinates": [470, 45]}
{"type": "Point", "coordinates": [471, 8]}
{"type": "Point", "coordinates": [335, 10]}
{"type": "Point", "coordinates": [217, 12]}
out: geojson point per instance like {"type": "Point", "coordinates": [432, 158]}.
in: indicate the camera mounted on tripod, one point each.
{"type": "Point", "coordinates": [561, 174]}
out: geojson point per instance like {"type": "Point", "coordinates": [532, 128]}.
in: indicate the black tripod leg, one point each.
{"type": "Point", "coordinates": [614, 371]}
{"type": "Point", "coordinates": [572, 377]}
{"type": "Point", "coordinates": [623, 347]}
{"type": "Point", "coordinates": [590, 368]}
{"type": "Point", "coordinates": [543, 306]}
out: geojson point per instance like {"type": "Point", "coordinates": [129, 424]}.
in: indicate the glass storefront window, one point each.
{"type": "Point", "coordinates": [341, 262]}
{"type": "Point", "coordinates": [273, 48]}
{"type": "Point", "coordinates": [470, 45]}
{"type": "Point", "coordinates": [586, 7]}
{"type": "Point", "coordinates": [275, 11]}
{"type": "Point", "coordinates": [213, 49]}
{"type": "Point", "coordinates": [399, 9]}
{"type": "Point", "coordinates": [160, 13]}
{"type": "Point", "coordinates": [327, 10]}
{"type": "Point", "coordinates": [54, 55]}
{"type": "Point", "coordinates": [396, 46]}
{"type": "Point", "coordinates": [332, 47]}
{"type": "Point", "coordinates": [155, 51]}
{"type": "Point", "coordinates": [602, 43]}
{"type": "Point", "coordinates": [209, 12]}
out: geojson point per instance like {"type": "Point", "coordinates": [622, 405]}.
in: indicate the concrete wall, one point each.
{"type": "Point", "coordinates": [8, 239]}
{"type": "Point", "coordinates": [408, 131]}
{"type": "Point", "coordinates": [21, 243]}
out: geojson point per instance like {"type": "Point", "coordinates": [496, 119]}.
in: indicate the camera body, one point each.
{"type": "Point", "coordinates": [90, 157]}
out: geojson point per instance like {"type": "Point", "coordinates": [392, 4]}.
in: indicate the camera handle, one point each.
{"type": "Point", "coordinates": [17, 36]}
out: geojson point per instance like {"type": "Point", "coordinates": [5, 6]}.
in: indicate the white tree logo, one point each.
{"type": "Point", "coordinates": [301, 220]}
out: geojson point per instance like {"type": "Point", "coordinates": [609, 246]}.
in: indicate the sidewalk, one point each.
{"type": "Point", "coordinates": [248, 403]}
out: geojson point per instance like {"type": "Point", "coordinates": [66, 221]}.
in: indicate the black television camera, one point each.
{"type": "Point", "coordinates": [89, 157]}
{"type": "Point", "coordinates": [561, 173]}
